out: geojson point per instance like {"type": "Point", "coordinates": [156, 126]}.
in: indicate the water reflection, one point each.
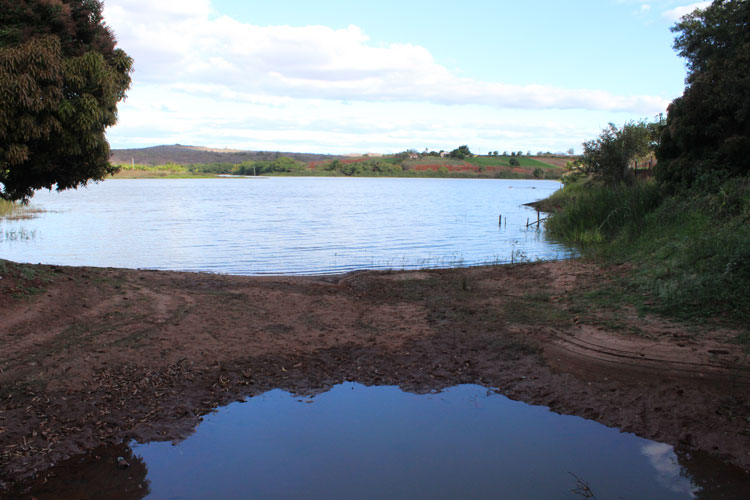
{"type": "Point", "coordinates": [668, 470]}
{"type": "Point", "coordinates": [379, 442]}
{"type": "Point", "coordinates": [92, 476]}
{"type": "Point", "coordinates": [20, 234]}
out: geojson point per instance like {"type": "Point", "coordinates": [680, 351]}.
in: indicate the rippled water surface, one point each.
{"type": "Point", "coordinates": [381, 443]}
{"type": "Point", "coordinates": [283, 225]}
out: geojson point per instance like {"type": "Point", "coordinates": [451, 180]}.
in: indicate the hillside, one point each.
{"type": "Point", "coordinates": [189, 155]}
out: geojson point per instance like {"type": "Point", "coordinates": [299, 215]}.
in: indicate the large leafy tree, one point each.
{"type": "Point", "coordinates": [708, 128]}
{"type": "Point", "coordinates": [61, 78]}
{"type": "Point", "coordinates": [610, 156]}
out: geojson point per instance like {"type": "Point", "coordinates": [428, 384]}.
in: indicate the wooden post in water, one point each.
{"type": "Point", "coordinates": [500, 220]}
{"type": "Point", "coordinates": [537, 218]}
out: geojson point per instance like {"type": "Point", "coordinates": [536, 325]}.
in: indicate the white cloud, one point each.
{"type": "Point", "coordinates": [206, 79]}
{"type": "Point", "coordinates": [675, 14]}
{"type": "Point", "coordinates": [181, 42]}
{"type": "Point", "coordinates": [208, 117]}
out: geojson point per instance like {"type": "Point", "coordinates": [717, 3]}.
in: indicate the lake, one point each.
{"type": "Point", "coordinates": [284, 225]}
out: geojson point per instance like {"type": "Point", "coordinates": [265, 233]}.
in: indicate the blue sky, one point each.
{"type": "Point", "coordinates": [343, 76]}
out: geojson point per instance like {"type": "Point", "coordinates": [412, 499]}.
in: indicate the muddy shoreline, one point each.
{"type": "Point", "coordinates": [90, 357]}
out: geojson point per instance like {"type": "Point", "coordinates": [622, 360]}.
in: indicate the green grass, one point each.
{"type": "Point", "coordinates": [167, 171]}
{"type": "Point", "coordinates": [594, 213]}
{"type": "Point", "coordinates": [26, 280]}
{"type": "Point", "coordinates": [434, 160]}
{"type": "Point", "coordinates": [504, 161]}
{"type": "Point", "coordinates": [689, 252]}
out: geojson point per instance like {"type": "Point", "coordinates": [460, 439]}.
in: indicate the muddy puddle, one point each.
{"type": "Point", "coordinates": [379, 442]}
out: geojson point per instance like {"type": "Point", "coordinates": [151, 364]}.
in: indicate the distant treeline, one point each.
{"type": "Point", "coordinates": [282, 164]}
{"type": "Point", "coordinates": [390, 166]}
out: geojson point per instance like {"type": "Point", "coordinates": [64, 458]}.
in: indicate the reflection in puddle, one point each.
{"type": "Point", "coordinates": [380, 442]}
{"type": "Point", "coordinates": [668, 470]}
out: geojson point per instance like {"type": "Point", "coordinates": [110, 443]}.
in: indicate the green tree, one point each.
{"type": "Point", "coordinates": [708, 128]}
{"type": "Point", "coordinates": [609, 156]}
{"type": "Point", "coordinates": [285, 164]}
{"type": "Point", "coordinates": [461, 152]}
{"type": "Point", "coordinates": [513, 162]}
{"type": "Point", "coordinates": [61, 78]}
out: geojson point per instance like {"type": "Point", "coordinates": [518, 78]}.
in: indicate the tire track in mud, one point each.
{"type": "Point", "coordinates": [589, 351]}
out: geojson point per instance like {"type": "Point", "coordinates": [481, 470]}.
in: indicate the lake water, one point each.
{"type": "Point", "coordinates": [283, 225]}
{"type": "Point", "coordinates": [381, 443]}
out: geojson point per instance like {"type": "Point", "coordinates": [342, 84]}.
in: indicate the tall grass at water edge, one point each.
{"type": "Point", "coordinates": [594, 213]}
{"type": "Point", "coordinates": [7, 208]}
{"type": "Point", "coordinates": [16, 210]}
{"type": "Point", "coordinates": [689, 252]}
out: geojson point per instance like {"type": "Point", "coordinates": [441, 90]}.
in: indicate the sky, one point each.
{"type": "Point", "coordinates": [346, 76]}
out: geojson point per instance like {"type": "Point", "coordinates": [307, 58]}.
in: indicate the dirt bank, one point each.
{"type": "Point", "coordinates": [94, 356]}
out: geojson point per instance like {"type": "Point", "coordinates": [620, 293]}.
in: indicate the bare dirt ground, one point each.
{"type": "Point", "coordinates": [96, 356]}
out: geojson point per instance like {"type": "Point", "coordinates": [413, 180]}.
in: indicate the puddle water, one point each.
{"type": "Point", "coordinates": [379, 442]}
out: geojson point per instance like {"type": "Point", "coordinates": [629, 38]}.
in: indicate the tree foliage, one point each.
{"type": "Point", "coordinates": [61, 78]}
{"type": "Point", "coordinates": [708, 127]}
{"type": "Point", "coordinates": [610, 156]}
{"type": "Point", "coordinates": [461, 152]}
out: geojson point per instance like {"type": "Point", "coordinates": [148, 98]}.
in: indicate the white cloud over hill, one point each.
{"type": "Point", "coordinates": [201, 65]}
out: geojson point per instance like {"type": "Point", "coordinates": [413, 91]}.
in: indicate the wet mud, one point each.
{"type": "Point", "coordinates": [96, 357]}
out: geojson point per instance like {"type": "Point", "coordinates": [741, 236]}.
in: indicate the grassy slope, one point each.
{"type": "Point", "coordinates": [689, 253]}
{"type": "Point", "coordinates": [523, 162]}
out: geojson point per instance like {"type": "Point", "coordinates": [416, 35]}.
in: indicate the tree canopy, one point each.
{"type": "Point", "coordinates": [610, 156]}
{"type": "Point", "coordinates": [461, 152]}
{"type": "Point", "coordinates": [708, 128]}
{"type": "Point", "coordinates": [61, 78]}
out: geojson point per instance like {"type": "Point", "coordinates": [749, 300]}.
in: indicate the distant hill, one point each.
{"type": "Point", "coordinates": [189, 155]}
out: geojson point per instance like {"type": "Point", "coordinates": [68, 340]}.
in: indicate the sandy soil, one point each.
{"type": "Point", "coordinates": [95, 356]}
